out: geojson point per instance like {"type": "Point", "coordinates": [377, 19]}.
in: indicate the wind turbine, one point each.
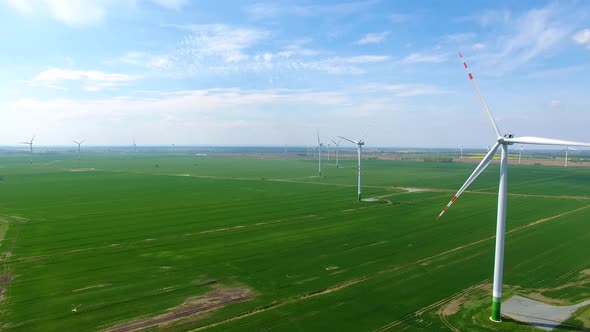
{"type": "Point", "coordinates": [461, 147]}
{"type": "Point", "coordinates": [337, 148]}
{"type": "Point", "coordinates": [328, 147]}
{"type": "Point", "coordinates": [320, 144]}
{"type": "Point", "coordinates": [359, 145]}
{"type": "Point", "coordinates": [567, 148]}
{"type": "Point", "coordinates": [31, 147]}
{"type": "Point", "coordinates": [134, 146]}
{"type": "Point", "coordinates": [79, 143]}
{"type": "Point", "coordinates": [173, 148]}
{"type": "Point", "coordinates": [520, 151]}
{"type": "Point", "coordinates": [504, 142]}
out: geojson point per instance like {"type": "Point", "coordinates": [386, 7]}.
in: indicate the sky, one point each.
{"type": "Point", "coordinates": [273, 72]}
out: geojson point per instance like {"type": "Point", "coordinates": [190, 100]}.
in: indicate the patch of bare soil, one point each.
{"type": "Point", "coordinates": [190, 308]}
{"type": "Point", "coordinates": [3, 280]}
{"type": "Point", "coordinates": [458, 300]}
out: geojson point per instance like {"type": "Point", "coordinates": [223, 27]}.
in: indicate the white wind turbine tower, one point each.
{"type": "Point", "coordinates": [79, 143]}
{"type": "Point", "coordinates": [461, 147]}
{"type": "Point", "coordinates": [520, 151]}
{"type": "Point", "coordinates": [504, 142]}
{"type": "Point", "coordinates": [30, 147]}
{"type": "Point", "coordinates": [337, 150]}
{"type": "Point", "coordinates": [173, 148]}
{"type": "Point", "coordinates": [359, 145]}
{"type": "Point", "coordinates": [320, 144]}
{"type": "Point", "coordinates": [567, 148]}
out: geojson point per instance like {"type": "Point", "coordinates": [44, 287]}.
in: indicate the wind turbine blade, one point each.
{"type": "Point", "coordinates": [319, 143]}
{"type": "Point", "coordinates": [25, 142]}
{"type": "Point", "coordinates": [32, 139]}
{"type": "Point", "coordinates": [360, 140]}
{"type": "Point", "coordinates": [348, 139]}
{"type": "Point", "coordinates": [483, 102]}
{"type": "Point", "coordinates": [75, 142]}
{"type": "Point", "coordinates": [543, 141]}
{"type": "Point", "coordinates": [478, 170]}
{"type": "Point", "coordinates": [333, 142]}
{"type": "Point", "coordinates": [83, 141]}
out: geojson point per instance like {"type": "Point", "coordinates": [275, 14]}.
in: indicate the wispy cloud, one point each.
{"type": "Point", "coordinates": [425, 58]}
{"type": "Point", "coordinates": [582, 37]}
{"type": "Point", "coordinates": [92, 80]}
{"type": "Point", "coordinates": [220, 40]}
{"type": "Point", "coordinates": [400, 18]}
{"type": "Point", "coordinates": [406, 90]}
{"type": "Point", "coordinates": [143, 59]}
{"type": "Point", "coordinates": [373, 38]}
{"type": "Point", "coordinates": [527, 36]}
{"type": "Point", "coordinates": [171, 4]}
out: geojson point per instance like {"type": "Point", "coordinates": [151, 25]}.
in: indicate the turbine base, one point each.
{"type": "Point", "coordinates": [496, 313]}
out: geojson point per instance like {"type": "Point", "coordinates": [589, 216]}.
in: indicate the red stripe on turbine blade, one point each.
{"type": "Point", "coordinates": [446, 208]}
{"type": "Point", "coordinates": [465, 65]}
{"type": "Point", "coordinates": [454, 199]}
{"type": "Point", "coordinates": [460, 55]}
{"type": "Point", "coordinates": [470, 76]}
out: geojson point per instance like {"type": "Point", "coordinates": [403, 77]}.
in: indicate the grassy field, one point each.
{"type": "Point", "coordinates": [119, 237]}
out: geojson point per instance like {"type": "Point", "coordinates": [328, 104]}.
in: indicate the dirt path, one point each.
{"type": "Point", "coordinates": [192, 307]}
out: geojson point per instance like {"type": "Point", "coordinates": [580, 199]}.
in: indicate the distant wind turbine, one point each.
{"type": "Point", "coordinates": [337, 150]}
{"type": "Point", "coordinates": [501, 141]}
{"type": "Point", "coordinates": [567, 148]}
{"type": "Point", "coordinates": [359, 149]}
{"type": "Point", "coordinates": [461, 147]}
{"type": "Point", "coordinates": [30, 147]}
{"type": "Point", "coordinates": [134, 145]}
{"type": "Point", "coordinates": [328, 147]}
{"type": "Point", "coordinates": [520, 151]}
{"type": "Point", "coordinates": [320, 144]}
{"type": "Point", "coordinates": [79, 143]}
{"type": "Point", "coordinates": [173, 148]}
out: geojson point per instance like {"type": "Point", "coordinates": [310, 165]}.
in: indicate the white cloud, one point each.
{"type": "Point", "coordinates": [80, 13]}
{"type": "Point", "coordinates": [23, 6]}
{"type": "Point", "coordinates": [373, 38]}
{"type": "Point", "coordinates": [93, 80]}
{"type": "Point", "coordinates": [555, 104]}
{"type": "Point", "coordinates": [582, 37]}
{"type": "Point", "coordinates": [425, 58]}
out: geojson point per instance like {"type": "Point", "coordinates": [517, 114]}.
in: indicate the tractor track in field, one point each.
{"type": "Point", "coordinates": [398, 269]}
{"type": "Point", "coordinates": [168, 237]}
{"type": "Point", "coordinates": [470, 290]}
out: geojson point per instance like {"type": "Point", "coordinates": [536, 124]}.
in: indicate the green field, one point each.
{"type": "Point", "coordinates": [126, 237]}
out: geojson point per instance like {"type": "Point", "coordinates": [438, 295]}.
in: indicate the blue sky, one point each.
{"type": "Point", "coordinates": [271, 72]}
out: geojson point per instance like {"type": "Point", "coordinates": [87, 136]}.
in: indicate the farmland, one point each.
{"type": "Point", "coordinates": [121, 237]}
